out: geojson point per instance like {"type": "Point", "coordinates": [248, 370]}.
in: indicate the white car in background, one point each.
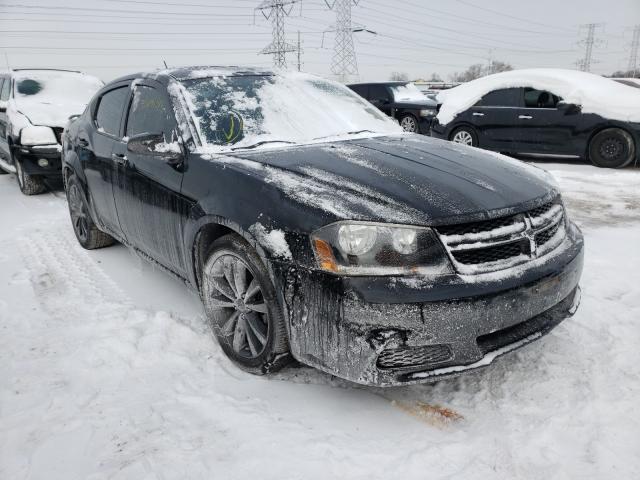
{"type": "Point", "coordinates": [35, 105]}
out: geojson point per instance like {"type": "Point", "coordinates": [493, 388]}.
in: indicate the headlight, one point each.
{"type": "Point", "coordinates": [362, 248]}
{"type": "Point", "coordinates": [35, 135]}
{"type": "Point", "coordinates": [428, 112]}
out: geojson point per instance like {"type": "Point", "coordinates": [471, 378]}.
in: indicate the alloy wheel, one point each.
{"type": "Point", "coordinates": [463, 137]}
{"type": "Point", "coordinates": [239, 309]}
{"type": "Point", "coordinates": [79, 213]}
{"type": "Point", "coordinates": [408, 124]}
{"type": "Point", "coordinates": [612, 148]}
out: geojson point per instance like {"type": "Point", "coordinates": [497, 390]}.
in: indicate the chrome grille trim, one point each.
{"type": "Point", "coordinates": [514, 240]}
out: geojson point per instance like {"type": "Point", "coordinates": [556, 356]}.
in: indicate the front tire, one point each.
{"type": "Point", "coordinates": [409, 123]}
{"type": "Point", "coordinates": [242, 307]}
{"type": "Point", "coordinates": [612, 148]}
{"type": "Point", "coordinates": [464, 136]}
{"type": "Point", "coordinates": [87, 233]}
{"type": "Point", "coordinates": [29, 184]}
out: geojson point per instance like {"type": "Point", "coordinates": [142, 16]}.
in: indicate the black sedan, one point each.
{"type": "Point", "coordinates": [526, 120]}
{"type": "Point", "coordinates": [400, 100]}
{"type": "Point", "coordinates": [315, 229]}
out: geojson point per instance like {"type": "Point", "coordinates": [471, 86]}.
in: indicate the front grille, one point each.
{"type": "Point", "coordinates": [491, 254]}
{"type": "Point", "coordinates": [58, 133]}
{"type": "Point", "coordinates": [414, 356]}
{"type": "Point", "coordinates": [491, 245]}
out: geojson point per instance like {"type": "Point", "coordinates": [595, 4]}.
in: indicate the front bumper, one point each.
{"type": "Point", "coordinates": [395, 331]}
{"type": "Point", "coordinates": [29, 157]}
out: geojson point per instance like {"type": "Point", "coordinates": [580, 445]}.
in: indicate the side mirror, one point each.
{"type": "Point", "coordinates": [3, 107]}
{"type": "Point", "coordinates": [569, 108]}
{"type": "Point", "coordinates": [154, 144]}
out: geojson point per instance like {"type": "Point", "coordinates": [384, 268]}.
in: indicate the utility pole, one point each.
{"type": "Point", "coordinates": [299, 52]}
{"type": "Point", "coordinates": [276, 11]}
{"type": "Point", "coordinates": [635, 46]}
{"type": "Point", "coordinates": [344, 62]}
{"type": "Point", "coordinates": [588, 42]}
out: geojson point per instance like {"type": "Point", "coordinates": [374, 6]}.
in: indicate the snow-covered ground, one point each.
{"type": "Point", "coordinates": [107, 371]}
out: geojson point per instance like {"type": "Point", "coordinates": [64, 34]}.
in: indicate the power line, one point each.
{"type": "Point", "coordinates": [277, 10]}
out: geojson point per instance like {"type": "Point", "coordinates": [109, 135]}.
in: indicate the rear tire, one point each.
{"type": "Point", "coordinates": [465, 136]}
{"type": "Point", "coordinates": [612, 148]}
{"type": "Point", "coordinates": [242, 307]}
{"type": "Point", "coordinates": [87, 233]}
{"type": "Point", "coordinates": [29, 184]}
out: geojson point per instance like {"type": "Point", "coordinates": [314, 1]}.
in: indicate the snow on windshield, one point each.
{"type": "Point", "coordinates": [594, 93]}
{"type": "Point", "coordinates": [241, 111]}
{"type": "Point", "coordinates": [51, 97]}
{"type": "Point", "coordinates": [408, 93]}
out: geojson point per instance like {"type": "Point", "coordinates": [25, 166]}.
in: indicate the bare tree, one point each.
{"type": "Point", "coordinates": [479, 70]}
{"type": "Point", "coordinates": [399, 76]}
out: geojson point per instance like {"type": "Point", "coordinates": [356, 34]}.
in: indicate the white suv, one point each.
{"type": "Point", "coordinates": [35, 105]}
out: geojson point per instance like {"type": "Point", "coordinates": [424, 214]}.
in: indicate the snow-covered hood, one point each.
{"type": "Point", "coordinates": [594, 93]}
{"type": "Point", "coordinates": [404, 179]}
{"type": "Point", "coordinates": [49, 114]}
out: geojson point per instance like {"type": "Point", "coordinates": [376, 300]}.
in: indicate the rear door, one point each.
{"type": "Point", "coordinates": [380, 96]}
{"type": "Point", "coordinates": [5, 84]}
{"type": "Point", "coordinates": [543, 128]}
{"type": "Point", "coordinates": [147, 194]}
{"type": "Point", "coordinates": [495, 117]}
{"type": "Point", "coordinates": [95, 151]}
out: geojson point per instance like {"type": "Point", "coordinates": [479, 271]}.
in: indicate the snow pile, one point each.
{"type": "Point", "coordinates": [273, 240]}
{"type": "Point", "coordinates": [594, 93]}
{"type": "Point", "coordinates": [163, 147]}
{"type": "Point", "coordinates": [289, 107]}
{"type": "Point", "coordinates": [409, 93]}
{"type": "Point", "coordinates": [49, 98]}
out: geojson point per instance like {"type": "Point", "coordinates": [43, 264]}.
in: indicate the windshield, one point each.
{"type": "Point", "coordinates": [242, 111]}
{"type": "Point", "coordinates": [54, 87]}
{"type": "Point", "coordinates": [407, 93]}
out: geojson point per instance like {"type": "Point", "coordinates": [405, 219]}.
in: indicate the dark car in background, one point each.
{"type": "Point", "coordinates": [35, 105]}
{"type": "Point", "coordinates": [529, 120]}
{"type": "Point", "coordinates": [319, 230]}
{"type": "Point", "coordinates": [400, 100]}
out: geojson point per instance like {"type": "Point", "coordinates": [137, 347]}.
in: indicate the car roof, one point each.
{"type": "Point", "coordinates": [379, 83]}
{"type": "Point", "coordinates": [198, 71]}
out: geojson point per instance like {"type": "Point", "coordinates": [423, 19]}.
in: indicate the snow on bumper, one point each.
{"type": "Point", "coordinates": [339, 329]}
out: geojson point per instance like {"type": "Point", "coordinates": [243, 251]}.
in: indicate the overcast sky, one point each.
{"type": "Point", "coordinates": [109, 38]}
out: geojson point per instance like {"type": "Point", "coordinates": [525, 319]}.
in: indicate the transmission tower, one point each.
{"type": "Point", "coordinates": [585, 62]}
{"type": "Point", "coordinates": [635, 46]}
{"type": "Point", "coordinates": [344, 62]}
{"type": "Point", "coordinates": [276, 11]}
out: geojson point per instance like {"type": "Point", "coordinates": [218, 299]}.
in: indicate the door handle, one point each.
{"type": "Point", "coordinates": [119, 158]}
{"type": "Point", "coordinates": [478, 114]}
{"type": "Point", "coordinates": [525, 117]}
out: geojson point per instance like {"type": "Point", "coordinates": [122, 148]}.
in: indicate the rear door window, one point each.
{"type": "Point", "coordinates": [149, 113]}
{"type": "Point", "coordinates": [361, 90]}
{"type": "Point", "coordinates": [379, 93]}
{"type": "Point", "coordinates": [506, 97]}
{"type": "Point", "coordinates": [110, 109]}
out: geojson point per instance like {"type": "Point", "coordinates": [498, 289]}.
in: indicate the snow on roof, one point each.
{"type": "Point", "coordinates": [594, 93]}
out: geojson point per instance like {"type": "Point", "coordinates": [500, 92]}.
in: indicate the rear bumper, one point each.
{"type": "Point", "coordinates": [30, 156]}
{"type": "Point", "coordinates": [336, 327]}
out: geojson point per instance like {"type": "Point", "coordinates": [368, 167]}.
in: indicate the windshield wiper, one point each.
{"type": "Point", "coordinates": [356, 132]}
{"type": "Point", "coordinates": [260, 143]}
